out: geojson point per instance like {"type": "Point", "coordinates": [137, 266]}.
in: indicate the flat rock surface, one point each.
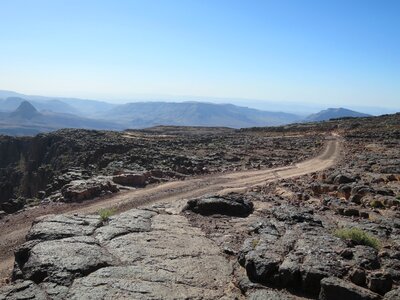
{"type": "Point", "coordinates": [139, 254]}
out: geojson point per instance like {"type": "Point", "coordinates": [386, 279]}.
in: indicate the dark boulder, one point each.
{"type": "Point", "coordinates": [380, 283]}
{"type": "Point", "coordinates": [13, 205]}
{"type": "Point", "coordinates": [358, 277]}
{"type": "Point", "coordinates": [340, 179]}
{"type": "Point", "coordinates": [225, 205]}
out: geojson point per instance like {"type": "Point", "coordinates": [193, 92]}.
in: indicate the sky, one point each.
{"type": "Point", "coordinates": [326, 53]}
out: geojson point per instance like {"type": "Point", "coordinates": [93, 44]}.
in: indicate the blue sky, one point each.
{"type": "Point", "coordinates": [330, 53]}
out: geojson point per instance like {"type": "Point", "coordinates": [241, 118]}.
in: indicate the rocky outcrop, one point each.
{"type": "Point", "coordinates": [334, 288]}
{"type": "Point", "coordinates": [296, 253]}
{"type": "Point", "coordinates": [79, 190]}
{"type": "Point", "coordinates": [139, 254]}
{"type": "Point", "coordinates": [22, 290]}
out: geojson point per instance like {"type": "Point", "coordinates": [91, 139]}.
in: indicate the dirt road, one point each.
{"type": "Point", "coordinates": [14, 228]}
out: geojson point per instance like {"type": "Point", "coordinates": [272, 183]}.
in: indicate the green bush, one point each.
{"type": "Point", "coordinates": [105, 214]}
{"type": "Point", "coordinates": [358, 236]}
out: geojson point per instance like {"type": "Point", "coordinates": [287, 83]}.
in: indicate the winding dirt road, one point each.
{"type": "Point", "coordinates": [14, 228]}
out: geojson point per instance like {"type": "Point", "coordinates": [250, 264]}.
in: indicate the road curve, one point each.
{"type": "Point", "coordinates": [13, 232]}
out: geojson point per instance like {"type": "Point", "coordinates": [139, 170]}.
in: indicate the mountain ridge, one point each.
{"type": "Point", "coordinates": [43, 115]}
{"type": "Point", "coordinates": [191, 113]}
{"type": "Point", "coordinates": [334, 113]}
{"type": "Point", "coordinates": [27, 120]}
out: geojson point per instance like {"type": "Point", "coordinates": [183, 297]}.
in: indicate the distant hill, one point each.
{"type": "Point", "coordinates": [27, 120]}
{"type": "Point", "coordinates": [148, 114]}
{"type": "Point", "coordinates": [9, 101]}
{"type": "Point", "coordinates": [334, 113]}
{"type": "Point", "coordinates": [25, 111]}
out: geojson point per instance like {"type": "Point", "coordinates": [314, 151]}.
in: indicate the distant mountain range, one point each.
{"type": "Point", "coordinates": [27, 120]}
{"type": "Point", "coordinates": [29, 115]}
{"type": "Point", "coordinates": [147, 114]}
{"type": "Point", "coordinates": [334, 113]}
{"type": "Point", "coordinates": [9, 101]}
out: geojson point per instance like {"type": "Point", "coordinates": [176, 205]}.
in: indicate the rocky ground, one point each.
{"type": "Point", "coordinates": [332, 234]}
{"type": "Point", "coordinates": [327, 235]}
{"type": "Point", "coordinates": [76, 165]}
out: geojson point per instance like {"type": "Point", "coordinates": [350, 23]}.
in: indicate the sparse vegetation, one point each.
{"type": "Point", "coordinates": [105, 214]}
{"type": "Point", "coordinates": [34, 202]}
{"type": "Point", "coordinates": [358, 236]}
{"type": "Point", "coordinates": [255, 243]}
{"type": "Point", "coordinates": [376, 204]}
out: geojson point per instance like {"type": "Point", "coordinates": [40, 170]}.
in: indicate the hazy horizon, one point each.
{"type": "Point", "coordinates": [301, 55]}
{"type": "Point", "coordinates": [301, 109]}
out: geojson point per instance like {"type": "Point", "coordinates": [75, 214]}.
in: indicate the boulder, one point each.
{"type": "Point", "coordinates": [379, 282]}
{"type": "Point", "coordinates": [13, 205]}
{"type": "Point", "coordinates": [134, 180]}
{"type": "Point", "coordinates": [341, 179]}
{"type": "Point", "coordinates": [79, 190]}
{"type": "Point", "coordinates": [358, 277]}
{"type": "Point", "coordinates": [351, 212]}
{"type": "Point", "coordinates": [333, 288]}
{"type": "Point", "coordinates": [224, 205]}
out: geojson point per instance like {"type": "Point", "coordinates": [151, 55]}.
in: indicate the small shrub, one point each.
{"type": "Point", "coordinates": [358, 236]}
{"type": "Point", "coordinates": [255, 243]}
{"type": "Point", "coordinates": [105, 214]}
{"type": "Point", "coordinates": [34, 202]}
